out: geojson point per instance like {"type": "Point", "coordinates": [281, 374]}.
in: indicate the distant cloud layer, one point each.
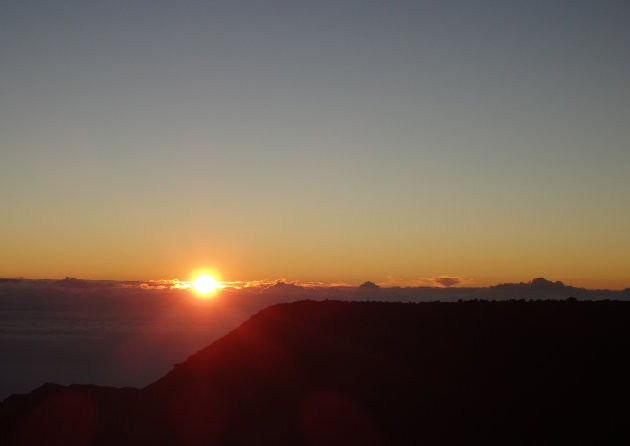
{"type": "Point", "coordinates": [446, 281]}
{"type": "Point", "coordinates": [114, 329]}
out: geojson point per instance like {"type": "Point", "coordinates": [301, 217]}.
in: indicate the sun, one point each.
{"type": "Point", "coordinates": [205, 284]}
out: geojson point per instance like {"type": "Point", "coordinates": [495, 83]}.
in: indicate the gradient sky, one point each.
{"type": "Point", "coordinates": [316, 140]}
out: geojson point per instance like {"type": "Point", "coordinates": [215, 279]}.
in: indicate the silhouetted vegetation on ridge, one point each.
{"type": "Point", "coordinates": [327, 373]}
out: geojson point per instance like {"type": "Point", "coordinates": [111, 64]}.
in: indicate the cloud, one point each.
{"type": "Point", "coordinates": [369, 286]}
{"type": "Point", "coordinates": [284, 287]}
{"type": "Point", "coordinates": [439, 281]}
{"type": "Point", "coordinates": [163, 284]}
{"type": "Point", "coordinates": [74, 283]}
{"type": "Point", "coordinates": [446, 281]}
{"type": "Point", "coordinates": [544, 283]}
{"type": "Point", "coordinates": [265, 284]}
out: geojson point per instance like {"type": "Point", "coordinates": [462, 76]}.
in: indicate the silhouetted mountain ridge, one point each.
{"type": "Point", "coordinates": [326, 373]}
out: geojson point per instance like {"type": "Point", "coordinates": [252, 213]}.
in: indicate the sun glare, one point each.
{"type": "Point", "coordinates": [205, 284]}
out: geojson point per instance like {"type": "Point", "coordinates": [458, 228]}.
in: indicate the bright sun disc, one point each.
{"type": "Point", "coordinates": [205, 284]}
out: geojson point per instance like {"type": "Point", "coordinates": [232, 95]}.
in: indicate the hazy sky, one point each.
{"type": "Point", "coordinates": [319, 140]}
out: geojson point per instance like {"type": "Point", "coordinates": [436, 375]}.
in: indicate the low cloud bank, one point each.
{"type": "Point", "coordinates": [446, 282]}
{"type": "Point", "coordinates": [129, 333]}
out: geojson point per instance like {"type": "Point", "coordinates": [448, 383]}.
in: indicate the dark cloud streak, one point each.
{"type": "Point", "coordinates": [446, 282]}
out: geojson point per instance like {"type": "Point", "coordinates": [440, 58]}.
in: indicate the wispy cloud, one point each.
{"type": "Point", "coordinates": [161, 284]}
{"type": "Point", "coordinates": [443, 281]}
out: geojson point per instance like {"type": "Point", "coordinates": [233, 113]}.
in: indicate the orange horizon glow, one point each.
{"type": "Point", "coordinates": [388, 282]}
{"type": "Point", "coordinates": [347, 268]}
{"type": "Point", "coordinates": [414, 165]}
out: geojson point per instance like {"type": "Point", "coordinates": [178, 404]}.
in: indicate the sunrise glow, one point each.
{"type": "Point", "coordinates": [205, 284]}
{"type": "Point", "coordinates": [393, 153]}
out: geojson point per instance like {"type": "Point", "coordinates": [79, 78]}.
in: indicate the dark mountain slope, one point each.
{"type": "Point", "coordinates": [368, 373]}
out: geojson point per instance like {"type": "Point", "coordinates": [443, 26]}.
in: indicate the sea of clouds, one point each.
{"type": "Point", "coordinates": [131, 333]}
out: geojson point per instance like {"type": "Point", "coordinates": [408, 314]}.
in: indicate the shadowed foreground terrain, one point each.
{"type": "Point", "coordinates": [340, 373]}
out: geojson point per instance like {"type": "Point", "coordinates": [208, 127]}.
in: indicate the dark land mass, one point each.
{"type": "Point", "coordinates": [367, 373]}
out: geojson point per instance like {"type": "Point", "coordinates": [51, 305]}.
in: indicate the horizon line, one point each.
{"type": "Point", "coordinates": [440, 282]}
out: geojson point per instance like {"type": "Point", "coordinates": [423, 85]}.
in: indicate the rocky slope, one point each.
{"type": "Point", "coordinates": [327, 373]}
